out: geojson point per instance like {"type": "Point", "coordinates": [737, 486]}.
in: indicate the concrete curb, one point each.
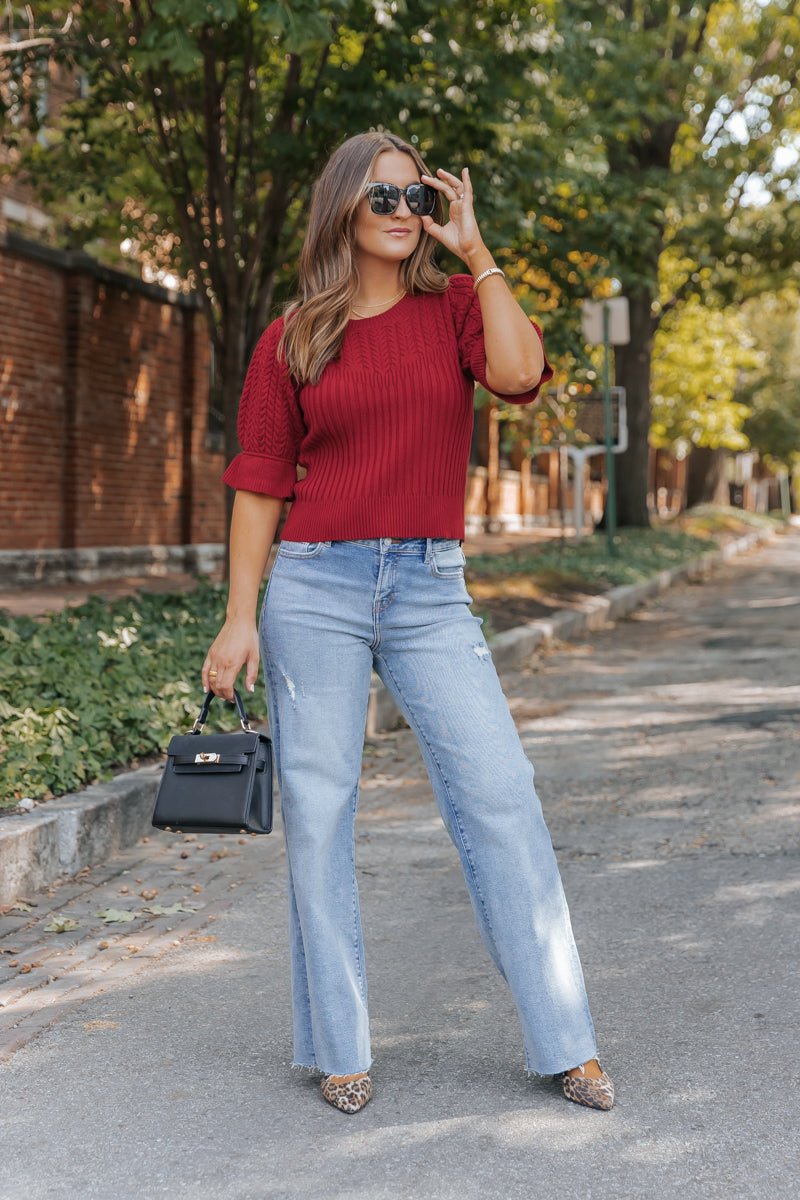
{"type": "Point", "coordinates": [93, 564]}
{"type": "Point", "coordinates": [78, 830]}
{"type": "Point", "coordinates": [85, 828]}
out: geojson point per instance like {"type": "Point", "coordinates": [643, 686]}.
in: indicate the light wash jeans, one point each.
{"type": "Point", "coordinates": [333, 609]}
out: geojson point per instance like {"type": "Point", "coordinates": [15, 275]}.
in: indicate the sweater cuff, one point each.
{"type": "Point", "coordinates": [260, 473]}
{"type": "Point", "coordinates": [479, 371]}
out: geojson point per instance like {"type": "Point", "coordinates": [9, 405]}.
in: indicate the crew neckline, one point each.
{"type": "Point", "coordinates": [386, 312]}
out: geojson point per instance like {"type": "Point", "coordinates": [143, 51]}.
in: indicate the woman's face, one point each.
{"type": "Point", "coordinates": [373, 232]}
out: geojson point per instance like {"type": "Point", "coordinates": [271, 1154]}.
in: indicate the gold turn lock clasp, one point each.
{"type": "Point", "coordinates": [206, 758]}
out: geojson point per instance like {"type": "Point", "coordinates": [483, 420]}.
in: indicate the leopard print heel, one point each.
{"type": "Point", "coordinates": [349, 1096]}
{"type": "Point", "coordinates": [594, 1093]}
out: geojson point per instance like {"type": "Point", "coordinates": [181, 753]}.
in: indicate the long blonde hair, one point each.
{"type": "Point", "coordinates": [327, 267]}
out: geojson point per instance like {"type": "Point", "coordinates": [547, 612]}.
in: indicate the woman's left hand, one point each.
{"type": "Point", "coordinates": [461, 234]}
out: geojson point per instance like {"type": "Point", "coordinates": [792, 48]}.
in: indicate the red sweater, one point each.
{"type": "Point", "coordinates": [385, 434]}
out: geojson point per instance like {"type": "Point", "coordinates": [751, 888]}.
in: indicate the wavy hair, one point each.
{"type": "Point", "coordinates": [327, 267]}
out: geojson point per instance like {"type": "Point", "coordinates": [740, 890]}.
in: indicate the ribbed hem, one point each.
{"type": "Point", "coordinates": [260, 473]}
{"type": "Point", "coordinates": [378, 516]}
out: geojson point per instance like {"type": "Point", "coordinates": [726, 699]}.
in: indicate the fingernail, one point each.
{"type": "Point", "coordinates": [251, 687]}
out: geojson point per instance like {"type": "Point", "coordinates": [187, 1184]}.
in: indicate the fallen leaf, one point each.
{"type": "Point", "coordinates": [184, 853]}
{"type": "Point", "coordinates": [113, 915]}
{"type": "Point", "coordinates": [61, 925]}
{"type": "Point", "coordinates": [197, 887]}
{"type": "Point", "coordinates": [103, 945]}
{"type": "Point", "coordinates": [149, 893]}
{"type": "Point", "coordinates": [160, 910]}
{"type": "Point", "coordinates": [21, 906]}
{"type": "Point", "coordinates": [91, 1026]}
{"type": "Point", "coordinates": [25, 968]}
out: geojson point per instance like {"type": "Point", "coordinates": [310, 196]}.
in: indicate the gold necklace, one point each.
{"type": "Point", "coordinates": [380, 303]}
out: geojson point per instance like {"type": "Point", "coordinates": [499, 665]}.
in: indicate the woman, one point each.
{"type": "Point", "coordinates": [367, 381]}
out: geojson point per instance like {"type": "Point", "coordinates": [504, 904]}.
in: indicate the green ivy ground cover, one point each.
{"type": "Point", "coordinates": [640, 553]}
{"type": "Point", "coordinates": [97, 687]}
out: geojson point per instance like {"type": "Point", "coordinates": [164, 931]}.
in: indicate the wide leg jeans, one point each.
{"type": "Point", "coordinates": [332, 610]}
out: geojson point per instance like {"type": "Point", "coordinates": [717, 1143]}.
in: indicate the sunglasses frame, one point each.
{"type": "Point", "coordinates": [401, 192]}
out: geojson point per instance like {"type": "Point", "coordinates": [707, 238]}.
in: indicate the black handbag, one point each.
{"type": "Point", "coordinates": [217, 783]}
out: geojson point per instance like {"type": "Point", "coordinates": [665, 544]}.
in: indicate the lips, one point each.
{"type": "Point", "coordinates": [398, 230]}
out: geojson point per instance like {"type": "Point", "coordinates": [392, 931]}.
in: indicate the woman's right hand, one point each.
{"type": "Point", "coordinates": [235, 645]}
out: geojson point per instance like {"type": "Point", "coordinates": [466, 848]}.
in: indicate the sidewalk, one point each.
{"type": "Point", "coordinates": [666, 761]}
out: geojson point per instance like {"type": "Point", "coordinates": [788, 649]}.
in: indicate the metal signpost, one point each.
{"type": "Point", "coordinates": [607, 321]}
{"type": "Point", "coordinates": [590, 412]}
{"type": "Point", "coordinates": [603, 417]}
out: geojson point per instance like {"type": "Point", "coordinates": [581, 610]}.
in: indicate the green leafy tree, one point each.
{"type": "Point", "coordinates": [773, 392]}
{"type": "Point", "coordinates": [665, 120]}
{"type": "Point", "coordinates": [700, 356]}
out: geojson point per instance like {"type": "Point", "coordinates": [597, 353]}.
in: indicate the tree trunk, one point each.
{"type": "Point", "coordinates": [632, 371]}
{"type": "Point", "coordinates": [234, 366]}
{"type": "Point", "coordinates": [705, 477]}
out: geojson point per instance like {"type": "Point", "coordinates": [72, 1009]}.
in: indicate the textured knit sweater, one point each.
{"type": "Point", "coordinates": [384, 435]}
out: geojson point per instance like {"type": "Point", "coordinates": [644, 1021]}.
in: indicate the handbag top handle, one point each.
{"type": "Point", "coordinates": [202, 716]}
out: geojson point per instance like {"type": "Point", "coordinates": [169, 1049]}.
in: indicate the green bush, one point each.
{"type": "Point", "coordinates": [640, 553]}
{"type": "Point", "coordinates": [103, 685]}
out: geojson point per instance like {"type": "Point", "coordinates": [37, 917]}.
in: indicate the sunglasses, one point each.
{"type": "Point", "coordinates": [385, 197]}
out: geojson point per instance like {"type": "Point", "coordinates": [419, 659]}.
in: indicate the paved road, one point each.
{"type": "Point", "coordinates": [668, 762]}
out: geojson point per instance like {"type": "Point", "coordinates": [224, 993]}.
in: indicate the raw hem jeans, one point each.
{"type": "Point", "coordinates": [332, 610]}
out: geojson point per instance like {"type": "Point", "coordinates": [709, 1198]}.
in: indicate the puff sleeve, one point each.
{"type": "Point", "coordinates": [466, 309]}
{"type": "Point", "coordinates": [270, 424]}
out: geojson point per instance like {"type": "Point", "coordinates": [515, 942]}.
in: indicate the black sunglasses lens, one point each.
{"type": "Point", "coordinates": [421, 199]}
{"type": "Point", "coordinates": [384, 198]}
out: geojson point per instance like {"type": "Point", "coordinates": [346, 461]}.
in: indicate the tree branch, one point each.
{"type": "Point", "coordinates": [219, 193]}
{"type": "Point", "coordinates": [274, 205]}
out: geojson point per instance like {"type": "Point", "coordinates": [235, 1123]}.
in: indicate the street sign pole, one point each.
{"type": "Point", "coordinates": [607, 322]}
{"type": "Point", "coordinates": [611, 499]}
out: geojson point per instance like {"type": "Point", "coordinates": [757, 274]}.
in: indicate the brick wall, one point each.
{"type": "Point", "coordinates": [32, 371]}
{"type": "Point", "coordinates": [103, 402]}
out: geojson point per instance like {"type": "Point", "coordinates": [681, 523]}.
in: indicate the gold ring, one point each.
{"type": "Point", "coordinates": [212, 674]}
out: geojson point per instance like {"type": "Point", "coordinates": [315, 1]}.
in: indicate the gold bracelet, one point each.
{"type": "Point", "coordinates": [484, 274]}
